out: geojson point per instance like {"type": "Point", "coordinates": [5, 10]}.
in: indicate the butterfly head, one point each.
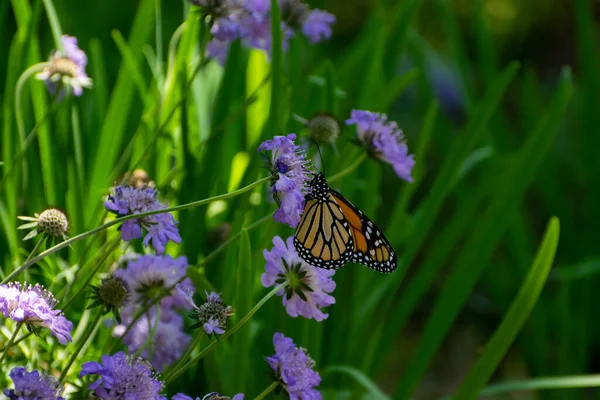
{"type": "Point", "coordinates": [318, 187]}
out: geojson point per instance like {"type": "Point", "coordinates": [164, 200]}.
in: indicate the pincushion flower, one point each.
{"type": "Point", "coordinates": [51, 222]}
{"type": "Point", "coordinates": [317, 25]}
{"type": "Point", "coordinates": [384, 141]}
{"type": "Point", "coordinates": [307, 289]}
{"type": "Point", "coordinates": [212, 315]}
{"type": "Point", "coordinates": [293, 368]}
{"type": "Point", "coordinates": [66, 68]}
{"type": "Point", "coordinates": [160, 228]}
{"type": "Point", "coordinates": [123, 377]}
{"type": "Point", "coordinates": [33, 386]}
{"type": "Point", "coordinates": [289, 170]}
{"type": "Point", "coordinates": [35, 307]}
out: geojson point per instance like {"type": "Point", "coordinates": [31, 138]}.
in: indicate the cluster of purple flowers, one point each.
{"type": "Point", "coordinates": [160, 228]}
{"type": "Point", "coordinates": [32, 386]}
{"type": "Point", "coordinates": [250, 21]}
{"type": "Point", "coordinates": [212, 315]}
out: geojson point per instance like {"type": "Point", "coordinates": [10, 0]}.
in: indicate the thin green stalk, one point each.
{"type": "Point", "coordinates": [19, 340]}
{"type": "Point", "coordinates": [82, 343]}
{"type": "Point", "coordinates": [549, 382]}
{"type": "Point", "coordinates": [54, 24]}
{"type": "Point", "coordinates": [117, 221]}
{"type": "Point", "coordinates": [187, 354]}
{"type": "Point", "coordinates": [229, 332]}
{"type": "Point", "coordinates": [268, 390]}
{"type": "Point", "coordinates": [10, 341]}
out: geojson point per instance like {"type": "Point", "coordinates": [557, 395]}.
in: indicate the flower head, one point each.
{"type": "Point", "coordinates": [289, 177]}
{"type": "Point", "coordinates": [212, 315]}
{"type": "Point", "coordinates": [384, 140]}
{"type": "Point", "coordinates": [160, 228]}
{"type": "Point", "coordinates": [165, 336]}
{"type": "Point", "coordinates": [67, 69]}
{"type": "Point", "coordinates": [112, 293]}
{"type": "Point", "coordinates": [294, 369]}
{"type": "Point", "coordinates": [323, 128]}
{"type": "Point", "coordinates": [209, 396]}
{"type": "Point", "coordinates": [123, 377]}
{"type": "Point", "coordinates": [317, 25]}
{"type": "Point", "coordinates": [51, 222]}
{"type": "Point", "coordinates": [149, 277]}
{"type": "Point", "coordinates": [307, 289]}
{"type": "Point", "coordinates": [33, 386]}
{"type": "Point", "coordinates": [34, 307]}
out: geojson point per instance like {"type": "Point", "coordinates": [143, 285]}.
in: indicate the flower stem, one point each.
{"type": "Point", "coordinates": [117, 221]}
{"type": "Point", "coordinates": [268, 390]}
{"type": "Point", "coordinates": [229, 332]}
{"type": "Point", "coordinates": [82, 343]}
{"type": "Point", "coordinates": [10, 341]}
{"type": "Point", "coordinates": [348, 169]}
{"type": "Point", "coordinates": [187, 354]}
{"type": "Point", "coordinates": [54, 24]}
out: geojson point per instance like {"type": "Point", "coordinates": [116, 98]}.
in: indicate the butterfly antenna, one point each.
{"type": "Point", "coordinates": [321, 157]}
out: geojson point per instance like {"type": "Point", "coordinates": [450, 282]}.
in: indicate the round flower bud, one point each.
{"type": "Point", "coordinates": [323, 128]}
{"type": "Point", "coordinates": [112, 294]}
{"type": "Point", "coordinates": [53, 222]}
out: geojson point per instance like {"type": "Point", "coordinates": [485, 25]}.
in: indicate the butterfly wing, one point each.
{"type": "Point", "coordinates": [323, 237]}
{"type": "Point", "coordinates": [371, 248]}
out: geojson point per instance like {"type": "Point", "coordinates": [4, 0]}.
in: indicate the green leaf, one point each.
{"type": "Point", "coordinates": [516, 316]}
{"type": "Point", "coordinates": [550, 382]}
{"type": "Point", "coordinates": [276, 122]}
{"type": "Point", "coordinates": [372, 389]}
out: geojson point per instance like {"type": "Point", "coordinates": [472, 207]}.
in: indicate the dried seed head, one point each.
{"type": "Point", "coordinates": [53, 222]}
{"type": "Point", "coordinates": [323, 128]}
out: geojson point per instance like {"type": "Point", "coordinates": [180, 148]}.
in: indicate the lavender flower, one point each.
{"type": "Point", "coordinates": [317, 25]}
{"type": "Point", "coordinates": [34, 306]}
{"type": "Point", "coordinates": [67, 68]}
{"type": "Point", "coordinates": [168, 340]}
{"type": "Point", "coordinates": [307, 289]}
{"type": "Point", "coordinates": [149, 277]}
{"type": "Point", "coordinates": [33, 386]}
{"type": "Point", "coordinates": [123, 377]}
{"type": "Point", "coordinates": [289, 170]}
{"type": "Point", "coordinates": [212, 315]}
{"type": "Point", "coordinates": [209, 396]}
{"type": "Point", "coordinates": [384, 141]}
{"type": "Point", "coordinates": [294, 369]}
{"type": "Point", "coordinates": [160, 228]}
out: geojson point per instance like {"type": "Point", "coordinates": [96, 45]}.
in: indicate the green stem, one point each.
{"type": "Point", "coordinates": [10, 341]}
{"type": "Point", "coordinates": [268, 390]}
{"type": "Point", "coordinates": [54, 24]}
{"type": "Point", "coordinates": [19, 340]}
{"type": "Point", "coordinates": [349, 169]}
{"type": "Point", "coordinates": [187, 354]}
{"type": "Point", "coordinates": [117, 221]}
{"type": "Point", "coordinates": [229, 332]}
{"type": "Point", "coordinates": [82, 343]}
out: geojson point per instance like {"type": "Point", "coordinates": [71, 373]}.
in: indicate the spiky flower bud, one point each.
{"type": "Point", "coordinates": [323, 128]}
{"type": "Point", "coordinates": [112, 293]}
{"type": "Point", "coordinates": [52, 222]}
{"type": "Point", "coordinates": [212, 315]}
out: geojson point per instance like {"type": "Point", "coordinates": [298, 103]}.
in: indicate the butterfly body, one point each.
{"type": "Point", "coordinates": [332, 231]}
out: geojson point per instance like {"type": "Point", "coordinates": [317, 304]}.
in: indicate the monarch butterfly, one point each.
{"type": "Point", "coordinates": [332, 231]}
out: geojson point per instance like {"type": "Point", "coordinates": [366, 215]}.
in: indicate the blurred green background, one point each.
{"type": "Point", "coordinates": [500, 149]}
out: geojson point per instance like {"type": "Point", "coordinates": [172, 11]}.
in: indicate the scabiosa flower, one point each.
{"type": "Point", "coordinates": [212, 315]}
{"type": "Point", "coordinates": [112, 294]}
{"type": "Point", "coordinates": [209, 396]}
{"type": "Point", "coordinates": [289, 176]}
{"type": "Point", "coordinates": [384, 140]}
{"type": "Point", "coordinates": [33, 386]}
{"type": "Point", "coordinates": [307, 289]}
{"type": "Point", "coordinates": [67, 69]}
{"type": "Point", "coordinates": [123, 377]}
{"type": "Point", "coordinates": [168, 339]}
{"type": "Point", "coordinates": [34, 306]}
{"type": "Point", "coordinates": [294, 369]}
{"type": "Point", "coordinates": [51, 222]}
{"type": "Point", "coordinates": [149, 277]}
{"type": "Point", "coordinates": [160, 228]}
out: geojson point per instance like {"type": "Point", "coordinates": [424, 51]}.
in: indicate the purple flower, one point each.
{"type": "Point", "coordinates": [168, 340]}
{"type": "Point", "coordinates": [208, 396]}
{"type": "Point", "coordinates": [212, 315]}
{"type": "Point", "coordinates": [123, 377]}
{"type": "Point", "coordinates": [294, 369]}
{"type": "Point", "coordinates": [67, 68]}
{"type": "Point", "coordinates": [148, 277]}
{"type": "Point", "coordinates": [384, 140]}
{"type": "Point", "coordinates": [317, 25]}
{"type": "Point", "coordinates": [34, 306]}
{"type": "Point", "coordinates": [289, 170]}
{"type": "Point", "coordinates": [307, 289]}
{"type": "Point", "coordinates": [33, 386]}
{"type": "Point", "coordinates": [160, 228]}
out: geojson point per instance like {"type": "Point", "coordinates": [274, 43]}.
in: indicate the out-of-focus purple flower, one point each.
{"type": "Point", "coordinates": [212, 315]}
{"type": "Point", "coordinates": [123, 377]}
{"type": "Point", "coordinates": [209, 396]}
{"type": "Point", "coordinates": [160, 228]}
{"type": "Point", "coordinates": [168, 340]}
{"type": "Point", "coordinates": [67, 68]}
{"type": "Point", "coordinates": [384, 141]}
{"type": "Point", "coordinates": [34, 306]}
{"type": "Point", "coordinates": [317, 25]}
{"type": "Point", "coordinates": [307, 289]}
{"type": "Point", "coordinates": [149, 277]}
{"type": "Point", "coordinates": [289, 171]}
{"type": "Point", "coordinates": [294, 369]}
{"type": "Point", "coordinates": [33, 386]}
